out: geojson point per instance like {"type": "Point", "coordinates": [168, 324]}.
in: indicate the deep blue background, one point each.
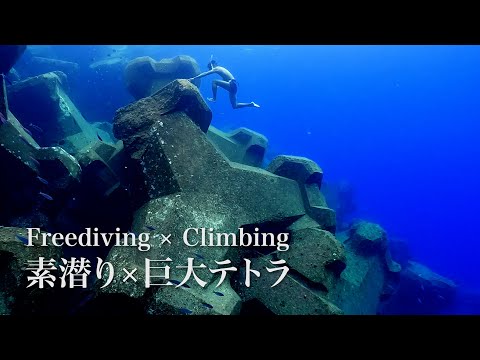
{"type": "Point", "coordinates": [401, 123]}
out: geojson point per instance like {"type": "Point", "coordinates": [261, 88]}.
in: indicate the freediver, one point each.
{"type": "Point", "coordinates": [228, 83]}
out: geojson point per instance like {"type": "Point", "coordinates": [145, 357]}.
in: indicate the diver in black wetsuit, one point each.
{"type": "Point", "coordinates": [228, 83]}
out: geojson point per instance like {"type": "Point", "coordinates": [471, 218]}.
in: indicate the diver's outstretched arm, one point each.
{"type": "Point", "coordinates": [206, 73]}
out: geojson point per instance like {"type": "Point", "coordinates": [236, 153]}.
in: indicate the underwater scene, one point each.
{"type": "Point", "coordinates": [239, 179]}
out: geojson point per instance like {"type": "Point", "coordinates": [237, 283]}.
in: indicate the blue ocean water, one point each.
{"type": "Point", "coordinates": [400, 123]}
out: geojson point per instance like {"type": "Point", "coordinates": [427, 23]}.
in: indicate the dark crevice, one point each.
{"type": "Point", "coordinates": [255, 154]}
{"type": "Point", "coordinates": [7, 279]}
{"type": "Point", "coordinates": [255, 307]}
{"type": "Point", "coordinates": [336, 266]}
{"type": "Point", "coordinates": [112, 304]}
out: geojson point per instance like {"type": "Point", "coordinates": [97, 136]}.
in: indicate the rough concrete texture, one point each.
{"type": "Point", "coordinates": [184, 182]}
{"type": "Point", "coordinates": [291, 296]}
{"type": "Point", "coordinates": [309, 177]}
{"type": "Point", "coordinates": [41, 102]}
{"type": "Point", "coordinates": [360, 285]}
{"type": "Point", "coordinates": [29, 167]}
{"type": "Point", "coordinates": [15, 297]}
{"type": "Point", "coordinates": [368, 238]}
{"type": "Point", "coordinates": [243, 145]}
{"type": "Point", "coordinates": [371, 239]}
{"type": "Point", "coordinates": [317, 255]}
{"type": "Point", "coordinates": [305, 222]}
{"type": "Point", "coordinates": [179, 301]}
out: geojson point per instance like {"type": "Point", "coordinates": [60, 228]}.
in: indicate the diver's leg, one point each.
{"type": "Point", "coordinates": [215, 85]}
{"type": "Point", "coordinates": [237, 105]}
{"type": "Point", "coordinates": [214, 91]}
